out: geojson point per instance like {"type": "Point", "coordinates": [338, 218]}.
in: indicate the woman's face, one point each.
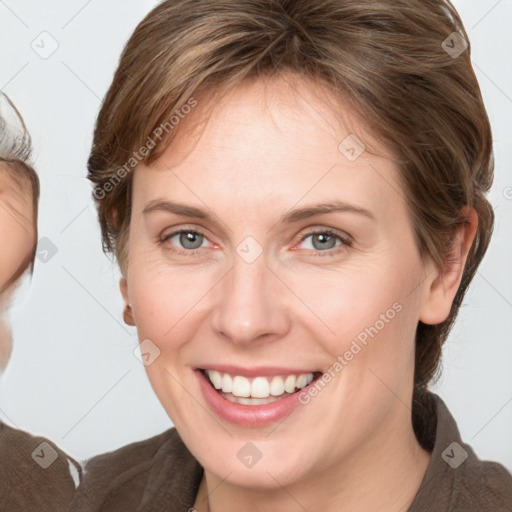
{"type": "Point", "coordinates": [258, 294]}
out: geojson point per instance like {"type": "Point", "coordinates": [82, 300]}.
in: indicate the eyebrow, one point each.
{"type": "Point", "coordinates": [288, 217]}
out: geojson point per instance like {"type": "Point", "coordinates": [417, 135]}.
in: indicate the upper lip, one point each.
{"type": "Point", "coordinates": [255, 371]}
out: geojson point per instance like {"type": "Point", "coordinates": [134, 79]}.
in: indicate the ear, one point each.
{"type": "Point", "coordinates": [441, 286]}
{"type": "Point", "coordinates": [127, 312]}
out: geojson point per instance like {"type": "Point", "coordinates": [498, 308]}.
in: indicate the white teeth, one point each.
{"type": "Point", "coordinates": [227, 383]}
{"type": "Point", "coordinates": [289, 383]}
{"type": "Point", "coordinates": [216, 378]}
{"type": "Point", "coordinates": [241, 387]}
{"type": "Point", "coordinates": [259, 387]}
{"type": "Point", "coordinates": [277, 386]}
{"type": "Point", "coordinates": [250, 401]}
{"type": "Point", "coordinates": [302, 381]}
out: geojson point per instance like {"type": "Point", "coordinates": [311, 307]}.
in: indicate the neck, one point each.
{"type": "Point", "coordinates": [384, 474]}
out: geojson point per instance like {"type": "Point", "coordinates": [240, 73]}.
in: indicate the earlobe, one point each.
{"type": "Point", "coordinates": [442, 286]}
{"type": "Point", "coordinates": [127, 311]}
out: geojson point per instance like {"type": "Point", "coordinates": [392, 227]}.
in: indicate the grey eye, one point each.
{"type": "Point", "coordinates": [321, 241]}
{"type": "Point", "coordinates": [188, 239]}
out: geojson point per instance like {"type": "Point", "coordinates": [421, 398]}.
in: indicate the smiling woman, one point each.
{"type": "Point", "coordinates": [294, 251]}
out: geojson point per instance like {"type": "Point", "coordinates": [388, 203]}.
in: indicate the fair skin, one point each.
{"type": "Point", "coordinates": [17, 232]}
{"type": "Point", "coordinates": [266, 151]}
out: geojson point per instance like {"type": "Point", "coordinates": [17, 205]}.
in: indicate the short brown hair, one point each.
{"type": "Point", "coordinates": [388, 58]}
{"type": "Point", "coordinates": [15, 154]}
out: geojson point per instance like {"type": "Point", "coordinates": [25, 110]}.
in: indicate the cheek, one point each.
{"type": "Point", "coordinates": [17, 245]}
{"type": "Point", "coordinates": [344, 301]}
{"type": "Point", "coordinates": [364, 317]}
{"type": "Point", "coordinates": [165, 300]}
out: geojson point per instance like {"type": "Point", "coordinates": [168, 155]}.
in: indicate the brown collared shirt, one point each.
{"type": "Point", "coordinates": [160, 474]}
{"type": "Point", "coordinates": [35, 474]}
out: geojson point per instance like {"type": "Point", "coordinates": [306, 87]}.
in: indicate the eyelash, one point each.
{"type": "Point", "coordinates": [346, 242]}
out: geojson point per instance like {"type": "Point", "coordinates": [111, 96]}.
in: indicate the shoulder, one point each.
{"type": "Point", "coordinates": [34, 472]}
{"type": "Point", "coordinates": [109, 465]}
{"type": "Point", "coordinates": [475, 481]}
{"type": "Point", "coordinates": [456, 479]}
{"type": "Point", "coordinates": [121, 479]}
{"type": "Point", "coordinates": [482, 482]}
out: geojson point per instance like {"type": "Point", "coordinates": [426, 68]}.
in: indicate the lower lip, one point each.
{"type": "Point", "coordinates": [247, 415]}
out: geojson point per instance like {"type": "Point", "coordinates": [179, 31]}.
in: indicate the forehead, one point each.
{"type": "Point", "coordinates": [288, 107]}
{"type": "Point", "coordinates": [270, 142]}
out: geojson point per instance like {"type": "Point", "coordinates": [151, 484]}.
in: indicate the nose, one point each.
{"type": "Point", "coordinates": [251, 304]}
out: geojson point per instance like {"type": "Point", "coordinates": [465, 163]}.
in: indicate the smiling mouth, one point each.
{"type": "Point", "coordinates": [259, 390]}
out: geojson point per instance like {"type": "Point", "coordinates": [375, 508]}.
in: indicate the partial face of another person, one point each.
{"type": "Point", "coordinates": [242, 278]}
{"type": "Point", "coordinates": [17, 228]}
{"type": "Point", "coordinates": [17, 232]}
